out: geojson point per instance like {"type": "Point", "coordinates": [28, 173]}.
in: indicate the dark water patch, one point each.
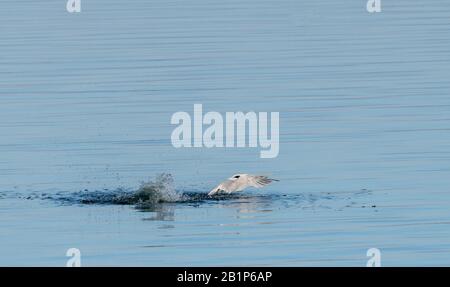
{"type": "Point", "coordinates": [149, 198]}
{"type": "Point", "coordinates": [159, 195]}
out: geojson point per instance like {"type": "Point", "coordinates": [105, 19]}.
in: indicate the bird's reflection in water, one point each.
{"type": "Point", "coordinates": [243, 205]}
{"type": "Point", "coordinates": [248, 207]}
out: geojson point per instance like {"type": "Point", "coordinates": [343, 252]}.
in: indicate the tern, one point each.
{"type": "Point", "coordinates": [239, 182]}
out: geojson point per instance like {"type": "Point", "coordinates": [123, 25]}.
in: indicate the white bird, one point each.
{"type": "Point", "coordinates": [239, 182]}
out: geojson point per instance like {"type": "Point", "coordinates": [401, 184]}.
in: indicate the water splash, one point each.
{"type": "Point", "coordinates": [160, 191]}
{"type": "Point", "coordinates": [150, 193]}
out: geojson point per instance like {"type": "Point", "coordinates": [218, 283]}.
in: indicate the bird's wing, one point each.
{"type": "Point", "coordinates": [228, 186]}
{"type": "Point", "coordinates": [221, 187]}
{"type": "Point", "coordinates": [259, 181]}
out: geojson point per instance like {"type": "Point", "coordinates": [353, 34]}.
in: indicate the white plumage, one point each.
{"type": "Point", "coordinates": [239, 182]}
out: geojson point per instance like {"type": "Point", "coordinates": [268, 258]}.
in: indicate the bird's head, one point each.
{"type": "Point", "coordinates": [238, 176]}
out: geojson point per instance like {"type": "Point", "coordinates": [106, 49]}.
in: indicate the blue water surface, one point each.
{"type": "Point", "coordinates": [364, 101]}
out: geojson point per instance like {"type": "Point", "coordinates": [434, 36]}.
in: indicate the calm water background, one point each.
{"type": "Point", "coordinates": [86, 101]}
